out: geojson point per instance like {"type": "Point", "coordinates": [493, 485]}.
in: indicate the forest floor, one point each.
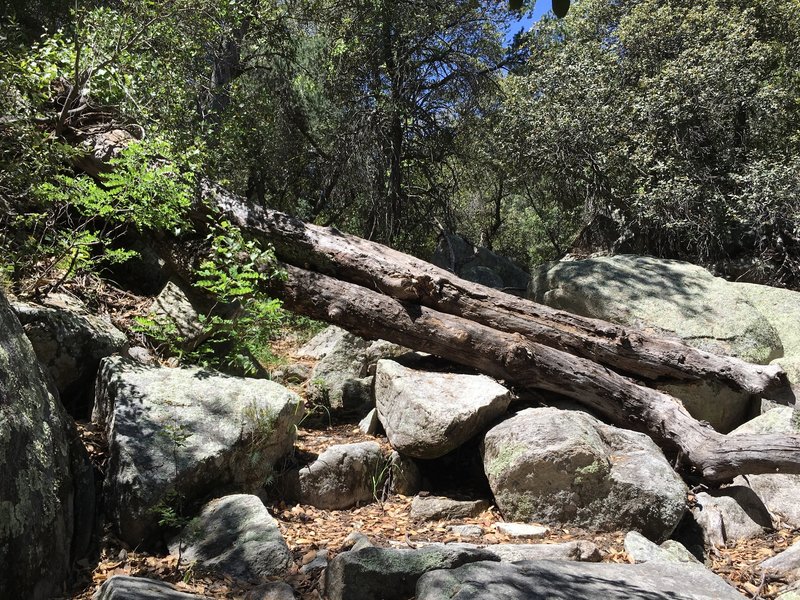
{"type": "Point", "coordinates": [387, 523]}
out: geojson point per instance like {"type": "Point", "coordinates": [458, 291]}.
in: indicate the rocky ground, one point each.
{"type": "Point", "coordinates": [313, 534]}
{"type": "Point", "coordinates": [316, 535]}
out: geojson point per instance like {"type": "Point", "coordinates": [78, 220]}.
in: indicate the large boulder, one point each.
{"type": "Point", "coordinates": [339, 378]}
{"type": "Point", "coordinates": [391, 574]}
{"type": "Point", "coordinates": [779, 492]}
{"type": "Point", "coordinates": [428, 414]}
{"type": "Point", "coordinates": [782, 309]}
{"type": "Point", "coordinates": [236, 536]}
{"type": "Point", "coordinates": [45, 479]}
{"type": "Point", "coordinates": [70, 341]}
{"type": "Point", "coordinates": [479, 264]}
{"type": "Point", "coordinates": [342, 476]}
{"type": "Point", "coordinates": [176, 435]}
{"type": "Point", "coordinates": [559, 466]}
{"type": "Point", "coordinates": [342, 380]}
{"type": "Point", "coordinates": [567, 580]}
{"type": "Point", "coordinates": [668, 298]}
{"type": "Point", "coordinates": [123, 587]}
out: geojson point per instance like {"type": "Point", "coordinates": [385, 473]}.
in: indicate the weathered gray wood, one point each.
{"type": "Point", "coordinates": [516, 359]}
{"type": "Point", "coordinates": [403, 277]}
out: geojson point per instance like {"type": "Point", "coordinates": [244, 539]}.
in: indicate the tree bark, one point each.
{"type": "Point", "coordinates": [400, 276]}
{"type": "Point", "coordinates": [515, 359]}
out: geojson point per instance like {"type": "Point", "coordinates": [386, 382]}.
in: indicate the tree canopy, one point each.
{"type": "Point", "coordinates": [665, 127]}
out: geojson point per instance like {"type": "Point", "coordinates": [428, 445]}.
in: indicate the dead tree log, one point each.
{"type": "Point", "coordinates": [379, 292]}
{"type": "Point", "coordinates": [400, 276]}
{"type": "Point", "coordinates": [515, 359]}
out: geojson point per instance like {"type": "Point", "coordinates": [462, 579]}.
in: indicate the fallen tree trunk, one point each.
{"type": "Point", "coordinates": [515, 359]}
{"type": "Point", "coordinates": [400, 276]}
{"type": "Point", "coordinates": [378, 292]}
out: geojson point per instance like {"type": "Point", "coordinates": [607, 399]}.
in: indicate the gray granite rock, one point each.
{"type": "Point", "coordinates": [567, 580]}
{"type": "Point", "coordinates": [577, 550]}
{"type": "Point", "coordinates": [643, 550]}
{"type": "Point", "coordinates": [793, 593]}
{"type": "Point", "coordinates": [274, 590]}
{"type": "Point", "coordinates": [781, 307]}
{"type": "Point", "coordinates": [730, 514]}
{"type": "Point", "coordinates": [187, 432]}
{"type": "Point", "coordinates": [321, 344]}
{"type": "Point", "coordinates": [342, 476]}
{"type": "Point", "coordinates": [428, 414]}
{"type": "Point", "coordinates": [390, 574]}
{"type": "Point", "coordinates": [786, 564]}
{"type": "Point", "coordinates": [174, 310]}
{"type": "Point", "coordinates": [547, 465]}
{"type": "Point", "coordinates": [235, 536]}
{"type": "Point", "coordinates": [778, 492]}
{"type": "Point", "coordinates": [479, 264]}
{"type": "Point", "coordinates": [70, 341]}
{"type": "Point", "coordinates": [123, 587]}
{"type": "Point", "coordinates": [522, 530]}
{"type": "Point", "coordinates": [406, 476]}
{"type": "Point", "coordinates": [370, 423]}
{"type": "Point", "coordinates": [467, 531]}
{"type": "Point", "coordinates": [432, 508]}
{"type": "Point", "coordinates": [46, 483]}
{"type": "Point", "coordinates": [668, 297]}
{"type": "Point", "coordinates": [338, 380]}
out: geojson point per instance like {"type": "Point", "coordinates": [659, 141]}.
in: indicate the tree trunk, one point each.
{"type": "Point", "coordinates": [378, 268]}
{"type": "Point", "coordinates": [515, 359]}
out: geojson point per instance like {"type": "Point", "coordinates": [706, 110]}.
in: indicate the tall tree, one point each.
{"type": "Point", "coordinates": [674, 121]}
{"type": "Point", "coordinates": [402, 76]}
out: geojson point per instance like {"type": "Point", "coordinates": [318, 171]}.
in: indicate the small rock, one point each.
{"type": "Point", "coordinates": [731, 513]}
{"type": "Point", "coordinates": [466, 530]}
{"type": "Point", "coordinates": [522, 530]}
{"type": "Point", "coordinates": [356, 540]}
{"type": "Point", "coordinates": [433, 508]}
{"type": "Point", "coordinates": [577, 550]}
{"type": "Point", "coordinates": [369, 424]}
{"type": "Point", "coordinates": [406, 476]}
{"type": "Point", "coordinates": [643, 550]}
{"type": "Point", "coordinates": [317, 564]}
{"type": "Point", "coordinates": [274, 590]}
